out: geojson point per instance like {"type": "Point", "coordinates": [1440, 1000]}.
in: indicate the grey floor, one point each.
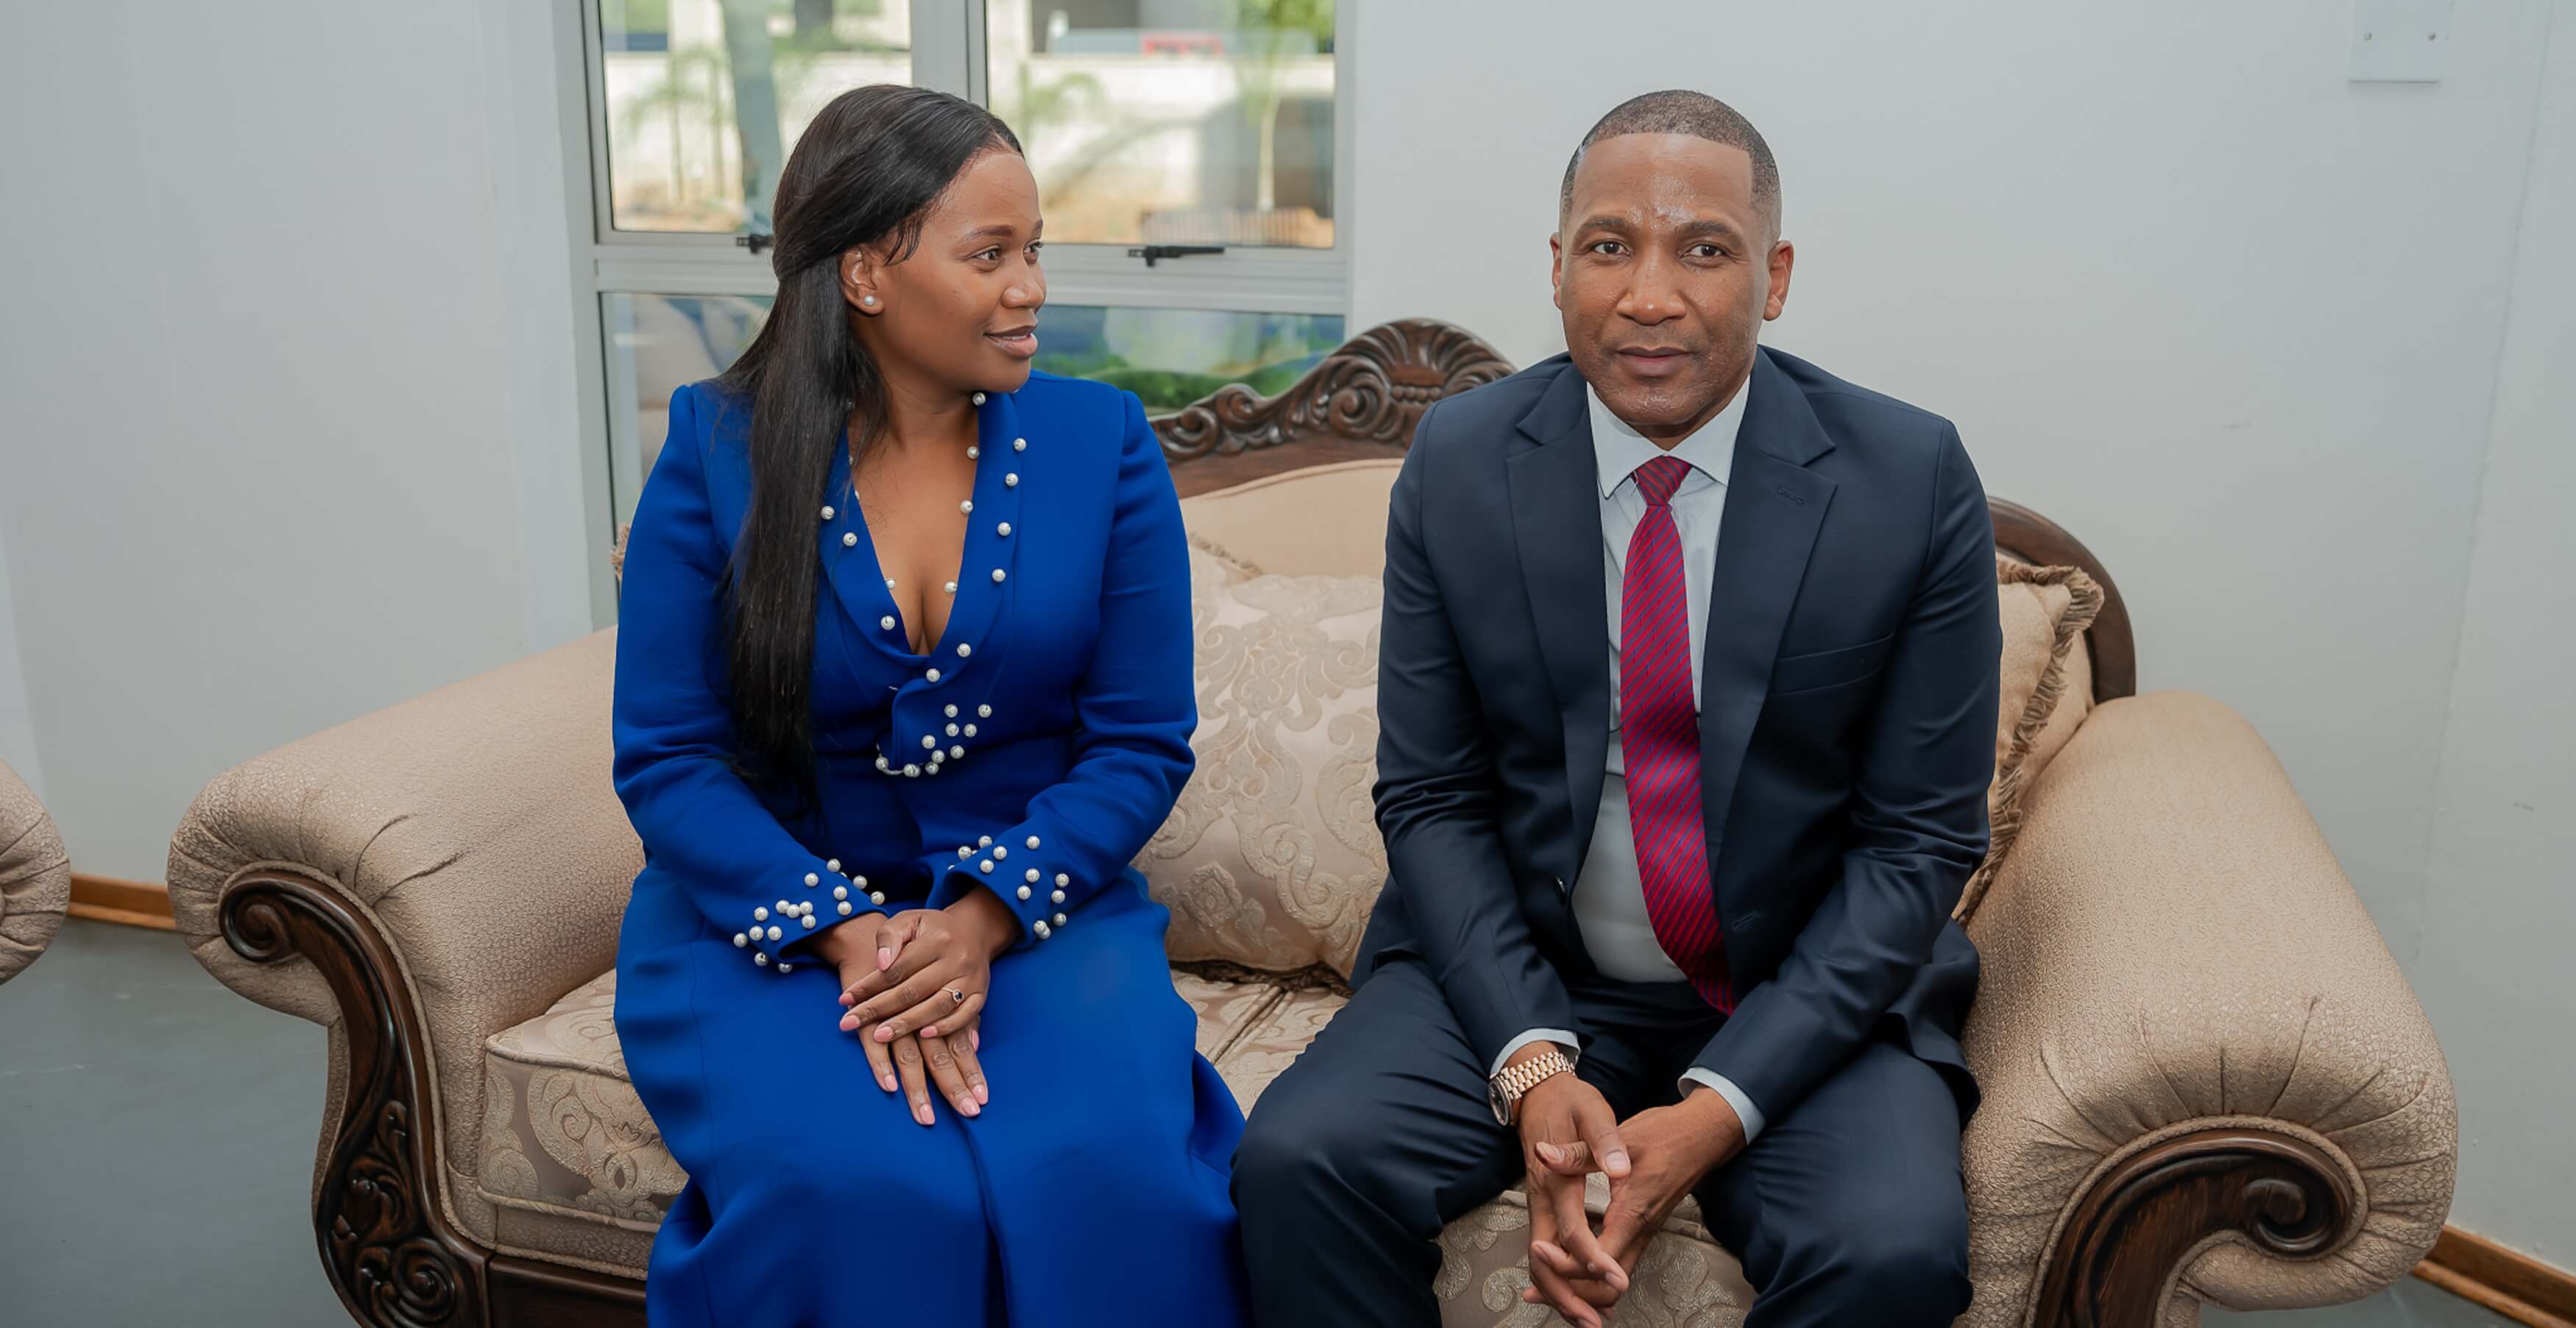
{"type": "Point", "coordinates": [156, 1133]}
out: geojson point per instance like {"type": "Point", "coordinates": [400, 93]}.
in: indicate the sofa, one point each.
{"type": "Point", "coordinates": [35, 876]}
{"type": "Point", "coordinates": [2205, 1080]}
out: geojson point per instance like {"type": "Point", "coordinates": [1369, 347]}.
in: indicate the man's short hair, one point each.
{"type": "Point", "coordinates": [1681, 111]}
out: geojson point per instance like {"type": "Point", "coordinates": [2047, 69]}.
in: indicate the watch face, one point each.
{"type": "Point", "coordinates": [1502, 1105]}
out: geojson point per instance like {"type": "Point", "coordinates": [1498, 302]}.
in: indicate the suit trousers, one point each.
{"type": "Point", "coordinates": [1848, 1209]}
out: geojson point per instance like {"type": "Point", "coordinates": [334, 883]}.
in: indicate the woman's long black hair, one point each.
{"type": "Point", "coordinates": [865, 171]}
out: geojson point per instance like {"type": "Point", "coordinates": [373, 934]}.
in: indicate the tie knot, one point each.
{"type": "Point", "coordinates": [1658, 478]}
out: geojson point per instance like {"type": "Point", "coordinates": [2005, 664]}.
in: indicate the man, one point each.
{"type": "Point", "coordinates": [1687, 694]}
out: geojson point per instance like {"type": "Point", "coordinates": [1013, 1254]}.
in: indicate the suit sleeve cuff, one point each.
{"type": "Point", "coordinates": [1724, 1087]}
{"type": "Point", "coordinates": [1573, 1049]}
{"type": "Point", "coordinates": [822, 900]}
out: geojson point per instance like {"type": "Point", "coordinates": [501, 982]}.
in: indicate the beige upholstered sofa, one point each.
{"type": "Point", "coordinates": [35, 877]}
{"type": "Point", "coordinates": [2205, 1080]}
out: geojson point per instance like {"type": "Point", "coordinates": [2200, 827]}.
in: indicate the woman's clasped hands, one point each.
{"type": "Point", "coordinates": [912, 986]}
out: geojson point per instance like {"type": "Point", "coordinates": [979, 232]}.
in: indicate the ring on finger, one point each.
{"type": "Point", "coordinates": [956, 997]}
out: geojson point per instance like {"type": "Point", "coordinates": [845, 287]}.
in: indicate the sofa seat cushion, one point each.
{"type": "Point", "coordinates": [576, 1167]}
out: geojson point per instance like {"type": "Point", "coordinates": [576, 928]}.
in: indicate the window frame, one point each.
{"type": "Point", "coordinates": [949, 52]}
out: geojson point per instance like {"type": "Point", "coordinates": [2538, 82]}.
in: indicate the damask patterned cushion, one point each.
{"type": "Point", "coordinates": [2047, 689]}
{"type": "Point", "coordinates": [1271, 859]}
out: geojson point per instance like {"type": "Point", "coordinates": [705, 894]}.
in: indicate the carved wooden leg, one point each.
{"type": "Point", "coordinates": [387, 1247]}
{"type": "Point", "coordinates": [2115, 1261]}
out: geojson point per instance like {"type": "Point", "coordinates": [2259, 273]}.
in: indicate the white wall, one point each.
{"type": "Point", "coordinates": [2233, 320]}
{"type": "Point", "coordinates": [17, 723]}
{"type": "Point", "coordinates": [289, 414]}
{"type": "Point", "coordinates": [2500, 911]}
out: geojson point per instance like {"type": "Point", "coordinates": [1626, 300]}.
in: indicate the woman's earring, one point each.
{"type": "Point", "coordinates": [868, 300]}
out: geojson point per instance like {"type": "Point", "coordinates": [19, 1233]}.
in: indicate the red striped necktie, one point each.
{"type": "Point", "coordinates": [1659, 740]}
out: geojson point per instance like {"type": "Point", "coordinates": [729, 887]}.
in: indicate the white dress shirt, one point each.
{"type": "Point", "coordinates": [1609, 893]}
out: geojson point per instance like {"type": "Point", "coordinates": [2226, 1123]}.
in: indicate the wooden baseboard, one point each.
{"type": "Point", "coordinates": [2507, 1282]}
{"type": "Point", "coordinates": [129, 903]}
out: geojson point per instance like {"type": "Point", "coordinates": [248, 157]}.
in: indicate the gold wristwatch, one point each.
{"type": "Point", "coordinates": [1506, 1089]}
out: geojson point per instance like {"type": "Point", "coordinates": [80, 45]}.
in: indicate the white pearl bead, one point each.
{"type": "Point", "coordinates": [974, 452]}
{"type": "Point", "coordinates": [883, 764]}
{"type": "Point", "coordinates": [827, 511]}
{"type": "Point", "coordinates": [956, 751]}
{"type": "Point", "coordinates": [1033, 841]}
{"type": "Point", "coordinates": [952, 712]}
{"type": "Point", "coordinates": [952, 730]}
{"type": "Point", "coordinates": [808, 920]}
{"type": "Point", "coordinates": [979, 398]}
{"type": "Point", "coordinates": [931, 674]}
{"type": "Point", "coordinates": [1002, 850]}
{"type": "Point", "coordinates": [889, 583]}
{"type": "Point", "coordinates": [850, 539]}
{"type": "Point", "coordinates": [1005, 529]}
{"type": "Point", "coordinates": [760, 915]}
{"type": "Point", "coordinates": [760, 958]}
{"type": "Point", "coordinates": [876, 896]}
{"type": "Point", "coordinates": [1043, 933]}
{"type": "Point", "coordinates": [740, 940]}
{"type": "Point", "coordinates": [1011, 480]}
{"type": "Point", "coordinates": [859, 881]}
{"type": "Point", "coordinates": [1056, 897]}
{"type": "Point", "coordinates": [886, 622]}
{"type": "Point", "coordinates": [998, 575]}
{"type": "Point", "coordinates": [830, 864]}
{"type": "Point", "coordinates": [970, 730]}
{"type": "Point", "coordinates": [952, 587]}
{"type": "Point", "coordinates": [1024, 892]}
{"type": "Point", "coordinates": [840, 892]}
{"type": "Point", "coordinates": [1062, 880]}
{"type": "Point", "coordinates": [983, 841]}
{"type": "Point", "coordinates": [965, 852]}
{"type": "Point", "coordinates": [928, 741]}
{"type": "Point", "coordinates": [1019, 444]}
{"type": "Point", "coordinates": [812, 880]}
{"type": "Point", "coordinates": [1059, 919]}
{"type": "Point", "coordinates": [785, 967]}
{"type": "Point", "coordinates": [967, 507]}
{"type": "Point", "coordinates": [911, 771]}
{"type": "Point", "coordinates": [986, 866]}
{"type": "Point", "coordinates": [1033, 875]}
{"type": "Point", "coordinates": [964, 650]}
{"type": "Point", "coordinates": [844, 906]}
{"type": "Point", "coordinates": [774, 932]}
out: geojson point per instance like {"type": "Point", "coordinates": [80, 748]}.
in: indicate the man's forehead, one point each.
{"type": "Point", "coordinates": [1665, 162]}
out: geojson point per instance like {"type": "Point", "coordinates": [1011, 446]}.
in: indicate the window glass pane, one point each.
{"type": "Point", "coordinates": [1172, 121]}
{"type": "Point", "coordinates": [1168, 357]}
{"type": "Point", "coordinates": [705, 97]}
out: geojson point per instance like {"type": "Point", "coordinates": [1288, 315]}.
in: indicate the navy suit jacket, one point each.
{"type": "Point", "coordinates": [1846, 725]}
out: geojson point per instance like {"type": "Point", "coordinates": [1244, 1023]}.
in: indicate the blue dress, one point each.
{"type": "Point", "coordinates": [1031, 753]}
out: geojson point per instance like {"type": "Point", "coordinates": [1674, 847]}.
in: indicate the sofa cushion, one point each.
{"type": "Point", "coordinates": [1271, 857]}
{"type": "Point", "coordinates": [2047, 690]}
{"type": "Point", "coordinates": [575, 1166]}
{"type": "Point", "coordinates": [35, 876]}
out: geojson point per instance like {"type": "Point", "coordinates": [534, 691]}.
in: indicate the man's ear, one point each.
{"type": "Point", "coordinates": [1556, 269]}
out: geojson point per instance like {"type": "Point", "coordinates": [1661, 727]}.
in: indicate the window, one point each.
{"type": "Point", "coordinates": [1190, 156]}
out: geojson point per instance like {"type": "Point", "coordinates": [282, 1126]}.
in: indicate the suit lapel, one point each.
{"type": "Point", "coordinates": [1556, 524]}
{"type": "Point", "coordinates": [1774, 507]}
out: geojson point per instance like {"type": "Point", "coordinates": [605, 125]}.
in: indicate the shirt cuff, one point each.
{"type": "Point", "coordinates": [1564, 1041]}
{"type": "Point", "coordinates": [1724, 1087]}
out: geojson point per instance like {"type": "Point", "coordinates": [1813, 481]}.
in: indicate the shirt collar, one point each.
{"type": "Point", "coordinates": [1617, 450]}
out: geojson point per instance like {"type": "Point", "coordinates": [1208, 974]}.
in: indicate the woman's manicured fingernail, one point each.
{"type": "Point", "coordinates": [885, 1033]}
{"type": "Point", "coordinates": [921, 1112]}
{"type": "Point", "coordinates": [930, 1030]}
{"type": "Point", "coordinates": [885, 959]}
{"type": "Point", "coordinates": [966, 1105]}
{"type": "Point", "coordinates": [886, 1082]}
{"type": "Point", "coordinates": [975, 1038]}
{"type": "Point", "coordinates": [981, 1095]}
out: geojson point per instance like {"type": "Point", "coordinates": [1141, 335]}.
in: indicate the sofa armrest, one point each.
{"type": "Point", "coordinates": [473, 831]}
{"type": "Point", "coordinates": [2204, 1075]}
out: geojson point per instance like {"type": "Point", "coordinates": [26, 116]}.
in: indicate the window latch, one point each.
{"type": "Point", "coordinates": [1154, 253]}
{"type": "Point", "coordinates": [755, 243]}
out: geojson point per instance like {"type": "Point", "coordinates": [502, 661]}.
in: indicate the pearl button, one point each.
{"type": "Point", "coordinates": [1043, 933]}
{"type": "Point", "coordinates": [931, 674]}
{"type": "Point", "coordinates": [979, 398]}
{"type": "Point", "coordinates": [1005, 529]}
{"type": "Point", "coordinates": [840, 892]}
{"type": "Point", "coordinates": [850, 539]}
{"type": "Point", "coordinates": [1033, 875]}
{"type": "Point", "coordinates": [970, 730]}
{"type": "Point", "coordinates": [830, 864]}
{"type": "Point", "coordinates": [859, 881]}
{"type": "Point", "coordinates": [876, 896]}
{"type": "Point", "coordinates": [774, 933]}
{"type": "Point", "coordinates": [844, 906]}
{"type": "Point", "coordinates": [889, 583]}
{"type": "Point", "coordinates": [967, 507]}
{"type": "Point", "coordinates": [886, 622]}
{"type": "Point", "coordinates": [785, 967]}
{"type": "Point", "coordinates": [965, 852]}
{"type": "Point", "coordinates": [998, 574]}
{"type": "Point", "coordinates": [760, 915]}
{"type": "Point", "coordinates": [910, 771]}
{"type": "Point", "coordinates": [760, 959]}
{"type": "Point", "coordinates": [808, 920]}
{"type": "Point", "coordinates": [984, 711]}
{"type": "Point", "coordinates": [952, 712]}
{"type": "Point", "coordinates": [956, 751]}
{"type": "Point", "coordinates": [740, 940]}
{"type": "Point", "coordinates": [827, 511]}
{"type": "Point", "coordinates": [1002, 851]}
{"type": "Point", "coordinates": [1059, 919]}
{"type": "Point", "coordinates": [1019, 444]}
{"type": "Point", "coordinates": [1062, 880]}
{"type": "Point", "coordinates": [1056, 897]}
{"type": "Point", "coordinates": [986, 866]}
{"type": "Point", "coordinates": [883, 764]}
{"type": "Point", "coordinates": [952, 730]}
{"type": "Point", "coordinates": [1011, 480]}
{"type": "Point", "coordinates": [974, 452]}
{"type": "Point", "coordinates": [952, 587]}
{"type": "Point", "coordinates": [1033, 841]}
{"type": "Point", "coordinates": [1024, 892]}
{"type": "Point", "coordinates": [964, 650]}
{"type": "Point", "coordinates": [812, 880]}
{"type": "Point", "coordinates": [928, 741]}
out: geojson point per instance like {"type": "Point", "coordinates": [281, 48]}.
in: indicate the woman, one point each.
{"type": "Point", "coordinates": [903, 682]}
